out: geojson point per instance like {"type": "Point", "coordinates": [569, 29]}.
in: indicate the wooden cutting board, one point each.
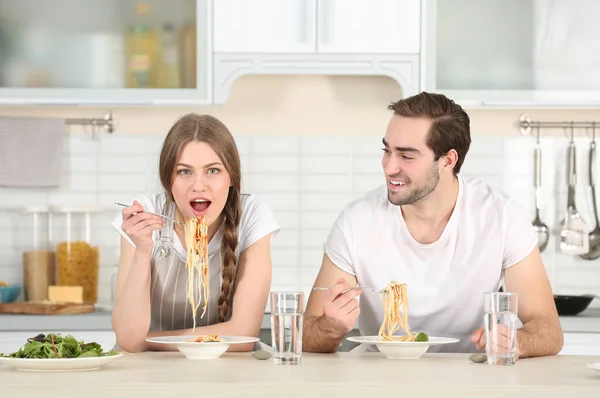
{"type": "Point", "coordinates": [40, 308]}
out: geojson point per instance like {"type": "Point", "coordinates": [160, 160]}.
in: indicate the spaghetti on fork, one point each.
{"type": "Point", "coordinates": [395, 295]}
{"type": "Point", "coordinates": [196, 241]}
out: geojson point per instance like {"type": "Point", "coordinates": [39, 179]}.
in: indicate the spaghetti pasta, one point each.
{"type": "Point", "coordinates": [196, 241]}
{"type": "Point", "coordinates": [209, 338]}
{"type": "Point", "coordinates": [393, 296]}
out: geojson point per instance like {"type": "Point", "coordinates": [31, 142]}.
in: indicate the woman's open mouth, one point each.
{"type": "Point", "coordinates": [200, 206]}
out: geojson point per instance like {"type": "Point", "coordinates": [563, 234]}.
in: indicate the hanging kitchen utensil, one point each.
{"type": "Point", "coordinates": [594, 236]}
{"type": "Point", "coordinates": [541, 229]}
{"type": "Point", "coordinates": [574, 237]}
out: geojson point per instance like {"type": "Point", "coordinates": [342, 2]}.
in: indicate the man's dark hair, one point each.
{"type": "Point", "coordinates": [450, 123]}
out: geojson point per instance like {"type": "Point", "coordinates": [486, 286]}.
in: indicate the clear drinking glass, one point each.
{"type": "Point", "coordinates": [501, 327]}
{"type": "Point", "coordinates": [287, 309]}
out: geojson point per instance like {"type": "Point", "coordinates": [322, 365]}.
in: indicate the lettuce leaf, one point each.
{"type": "Point", "coordinates": [54, 345]}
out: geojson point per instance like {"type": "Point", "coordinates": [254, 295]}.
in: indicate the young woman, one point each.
{"type": "Point", "coordinates": [200, 173]}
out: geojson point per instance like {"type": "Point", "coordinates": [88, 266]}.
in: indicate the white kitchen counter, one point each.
{"type": "Point", "coordinates": [586, 322]}
{"type": "Point", "coordinates": [346, 375]}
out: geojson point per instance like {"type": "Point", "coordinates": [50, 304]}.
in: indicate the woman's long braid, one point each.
{"type": "Point", "coordinates": [230, 242]}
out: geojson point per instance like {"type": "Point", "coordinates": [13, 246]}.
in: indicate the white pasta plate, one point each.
{"type": "Point", "coordinates": [59, 364]}
{"type": "Point", "coordinates": [594, 366]}
{"type": "Point", "coordinates": [201, 350]}
{"type": "Point", "coordinates": [402, 349]}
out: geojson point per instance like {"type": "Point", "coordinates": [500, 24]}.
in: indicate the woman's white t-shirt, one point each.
{"type": "Point", "coordinates": [487, 233]}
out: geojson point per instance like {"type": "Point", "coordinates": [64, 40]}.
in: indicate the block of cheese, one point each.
{"type": "Point", "coordinates": [65, 294]}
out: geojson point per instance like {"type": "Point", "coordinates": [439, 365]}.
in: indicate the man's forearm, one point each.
{"type": "Point", "coordinates": [540, 337]}
{"type": "Point", "coordinates": [321, 335]}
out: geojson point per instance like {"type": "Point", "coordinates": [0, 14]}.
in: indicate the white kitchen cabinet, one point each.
{"type": "Point", "coordinates": [513, 52]}
{"type": "Point", "coordinates": [581, 344]}
{"type": "Point", "coordinates": [264, 26]}
{"type": "Point", "coordinates": [321, 26]}
{"type": "Point", "coordinates": [77, 52]}
{"type": "Point", "coordinates": [369, 27]}
{"type": "Point", "coordinates": [84, 52]}
{"type": "Point", "coordinates": [12, 341]}
{"type": "Point", "coordinates": [316, 37]}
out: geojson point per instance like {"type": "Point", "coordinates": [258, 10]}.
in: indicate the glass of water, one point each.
{"type": "Point", "coordinates": [287, 309]}
{"type": "Point", "coordinates": [501, 327]}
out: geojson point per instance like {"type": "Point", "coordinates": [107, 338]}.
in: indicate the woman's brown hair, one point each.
{"type": "Point", "coordinates": [206, 128]}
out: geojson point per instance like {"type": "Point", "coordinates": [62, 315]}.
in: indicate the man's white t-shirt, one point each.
{"type": "Point", "coordinates": [487, 233]}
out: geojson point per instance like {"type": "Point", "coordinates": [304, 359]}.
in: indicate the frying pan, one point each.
{"type": "Point", "coordinates": [572, 305]}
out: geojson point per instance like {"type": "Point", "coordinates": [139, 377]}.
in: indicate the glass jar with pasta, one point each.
{"type": "Point", "coordinates": [77, 251]}
{"type": "Point", "coordinates": [38, 256]}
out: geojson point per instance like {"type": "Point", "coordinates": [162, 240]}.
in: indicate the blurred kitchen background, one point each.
{"type": "Point", "coordinates": [303, 85]}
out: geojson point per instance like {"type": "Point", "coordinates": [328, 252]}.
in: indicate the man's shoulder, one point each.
{"type": "Point", "coordinates": [369, 204]}
{"type": "Point", "coordinates": [481, 196]}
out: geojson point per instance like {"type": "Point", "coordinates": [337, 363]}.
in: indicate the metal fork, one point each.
{"type": "Point", "coordinates": [353, 288]}
{"type": "Point", "coordinates": [149, 212]}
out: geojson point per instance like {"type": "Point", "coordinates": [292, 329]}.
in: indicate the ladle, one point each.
{"type": "Point", "coordinates": [539, 227]}
{"type": "Point", "coordinates": [594, 251]}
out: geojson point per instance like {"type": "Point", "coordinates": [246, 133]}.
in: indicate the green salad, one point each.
{"type": "Point", "coordinates": [54, 345]}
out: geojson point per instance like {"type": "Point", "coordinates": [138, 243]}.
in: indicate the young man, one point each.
{"type": "Point", "coordinates": [448, 237]}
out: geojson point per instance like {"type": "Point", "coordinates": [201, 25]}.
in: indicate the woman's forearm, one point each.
{"type": "Point", "coordinates": [131, 312]}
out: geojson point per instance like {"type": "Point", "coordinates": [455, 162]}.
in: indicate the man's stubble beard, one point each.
{"type": "Point", "coordinates": [420, 192]}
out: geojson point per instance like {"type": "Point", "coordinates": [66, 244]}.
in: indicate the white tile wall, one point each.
{"type": "Point", "coordinates": [307, 180]}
